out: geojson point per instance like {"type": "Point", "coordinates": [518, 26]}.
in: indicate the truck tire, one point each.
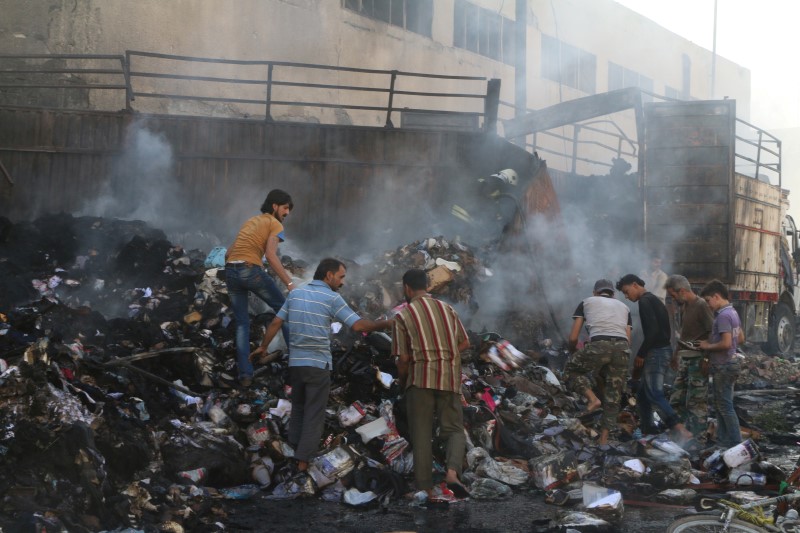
{"type": "Point", "coordinates": [781, 331]}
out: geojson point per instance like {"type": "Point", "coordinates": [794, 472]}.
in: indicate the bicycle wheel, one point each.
{"type": "Point", "coordinates": [710, 524]}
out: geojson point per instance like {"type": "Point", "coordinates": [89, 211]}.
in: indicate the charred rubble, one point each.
{"type": "Point", "coordinates": [118, 408]}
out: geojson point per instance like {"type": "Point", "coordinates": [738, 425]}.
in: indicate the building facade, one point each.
{"type": "Point", "coordinates": [543, 51]}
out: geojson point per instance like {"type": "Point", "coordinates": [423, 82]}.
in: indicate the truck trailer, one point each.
{"type": "Point", "coordinates": [707, 194]}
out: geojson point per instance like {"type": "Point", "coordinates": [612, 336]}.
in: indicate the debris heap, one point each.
{"type": "Point", "coordinates": [118, 408]}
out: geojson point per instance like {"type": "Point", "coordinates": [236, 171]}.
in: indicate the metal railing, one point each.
{"type": "Point", "coordinates": [757, 153]}
{"type": "Point", "coordinates": [586, 144]}
{"type": "Point", "coordinates": [148, 75]}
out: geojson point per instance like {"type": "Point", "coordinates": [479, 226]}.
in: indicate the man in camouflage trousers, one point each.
{"type": "Point", "coordinates": [690, 391]}
{"type": "Point", "coordinates": [605, 357]}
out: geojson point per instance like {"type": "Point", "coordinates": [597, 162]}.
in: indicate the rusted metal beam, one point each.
{"type": "Point", "coordinates": [574, 111]}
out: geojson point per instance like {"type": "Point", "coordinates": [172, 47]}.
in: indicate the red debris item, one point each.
{"type": "Point", "coordinates": [487, 397]}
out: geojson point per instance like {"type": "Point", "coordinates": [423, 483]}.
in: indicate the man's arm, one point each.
{"type": "Point", "coordinates": [725, 342]}
{"type": "Point", "coordinates": [401, 351]}
{"type": "Point", "coordinates": [740, 338]}
{"type": "Point", "coordinates": [272, 330]}
{"type": "Point", "coordinates": [271, 253]}
{"type": "Point", "coordinates": [365, 325]}
{"type": "Point", "coordinates": [577, 324]}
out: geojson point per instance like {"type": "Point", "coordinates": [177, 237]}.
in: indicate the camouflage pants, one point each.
{"type": "Point", "coordinates": [690, 392]}
{"type": "Point", "coordinates": [606, 361]}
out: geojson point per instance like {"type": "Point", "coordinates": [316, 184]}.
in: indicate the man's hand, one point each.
{"type": "Point", "coordinates": [638, 362]}
{"type": "Point", "coordinates": [674, 364]}
{"type": "Point", "coordinates": [258, 353]}
{"type": "Point", "coordinates": [705, 345]}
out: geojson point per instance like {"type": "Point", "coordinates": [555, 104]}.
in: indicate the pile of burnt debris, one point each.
{"type": "Point", "coordinates": [118, 410]}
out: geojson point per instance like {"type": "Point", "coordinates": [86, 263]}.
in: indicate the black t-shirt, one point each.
{"type": "Point", "coordinates": [655, 323]}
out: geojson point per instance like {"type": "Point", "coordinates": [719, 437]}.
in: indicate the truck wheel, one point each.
{"type": "Point", "coordinates": [781, 331]}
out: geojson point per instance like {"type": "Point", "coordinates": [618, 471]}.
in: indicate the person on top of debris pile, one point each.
{"type": "Point", "coordinates": [653, 357]}
{"type": "Point", "coordinates": [492, 206]}
{"type": "Point", "coordinates": [690, 390]}
{"type": "Point", "coordinates": [726, 336]}
{"type": "Point", "coordinates": [309, 311]}
{"type": "Point", "coordinates": [244, 271]}
{"type": "Point", "coordinates": [605, 356]}
{"type": "Point", "coordinates": [427, 341]}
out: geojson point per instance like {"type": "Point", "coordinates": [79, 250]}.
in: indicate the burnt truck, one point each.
{"type": "Point", "coordinates": [706, 193]}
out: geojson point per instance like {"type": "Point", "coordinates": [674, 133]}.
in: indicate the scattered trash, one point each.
{"type": "Point", "coordinates": [126, 351]}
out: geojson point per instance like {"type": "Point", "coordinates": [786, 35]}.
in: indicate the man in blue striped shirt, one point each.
{"type": "Point", "coordinates": [309, 312]}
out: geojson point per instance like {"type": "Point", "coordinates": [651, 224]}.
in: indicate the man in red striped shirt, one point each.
{"type": "Point", "coordinates": [427, 340]}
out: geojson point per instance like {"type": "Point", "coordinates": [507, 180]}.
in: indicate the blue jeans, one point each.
{"type": "Point", "coordinates": [651, 390]}
{"type": "Point", "coordinates": [242, 279]}
{"type": "Point", "coordinates": [724, 377]}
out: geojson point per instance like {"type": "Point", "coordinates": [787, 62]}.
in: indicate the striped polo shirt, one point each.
{"type": "Point", "coordinates": [430, 331]}
{"type": "Point", "coordinates": [309, 312]}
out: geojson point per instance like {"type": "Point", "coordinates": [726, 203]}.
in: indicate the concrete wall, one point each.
{"type": "Point", "coordinates": [325, 32]}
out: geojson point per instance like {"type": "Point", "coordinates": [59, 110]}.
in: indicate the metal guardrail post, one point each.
{"type": "Point", "coordinates": [758, 154]}
{"type": "Point", "coordinates": [268, 116]}
{"type": "Point", "coordinates": [575, 133]}
{"type": "Point", "coordinates": [391, 100]}
{"type": "Point", "coordinates": [126, 72]}
{"type": "Point", "coordinates": [490, 104]}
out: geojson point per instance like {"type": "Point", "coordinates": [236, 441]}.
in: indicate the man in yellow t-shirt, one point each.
{"type": "Point", "coordinates": [244, 272]}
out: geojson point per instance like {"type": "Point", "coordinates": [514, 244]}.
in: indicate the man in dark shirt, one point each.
{"type": "Point", "coordinates": [653, 357]}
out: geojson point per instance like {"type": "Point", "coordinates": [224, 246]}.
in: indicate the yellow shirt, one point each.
{"type": "Point", "coordinates": [251, 242]}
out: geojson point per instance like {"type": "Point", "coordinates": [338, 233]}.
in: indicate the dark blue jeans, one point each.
{"type": "Point", "coordinates": [241, 280]}
{"type": "Point", "coordinates": [724, 378]}
{"type": "Point", "coordinates": [651, 390]}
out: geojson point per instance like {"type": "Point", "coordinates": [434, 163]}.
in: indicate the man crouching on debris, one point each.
{"type": "Point", "coordinates": [309, 311]}
{"type": "Point", "coordinates": [605, 356]}
{"type": "Point", "coordinates": [244, 271]}
{"type": "Point", "coordinates": [427, 341]}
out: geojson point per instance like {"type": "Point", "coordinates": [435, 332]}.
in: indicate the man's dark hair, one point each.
{"type": "Point", "coordinates": [713, 287]}
{"type": "Point", "coordinates": [416, 279]}
{"type": "Point", "coordinates": [276, 196]}
{"type": "Point", "coordinates": [629, 279]}
{"type": "Point", "coordinates": [329, 264]}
